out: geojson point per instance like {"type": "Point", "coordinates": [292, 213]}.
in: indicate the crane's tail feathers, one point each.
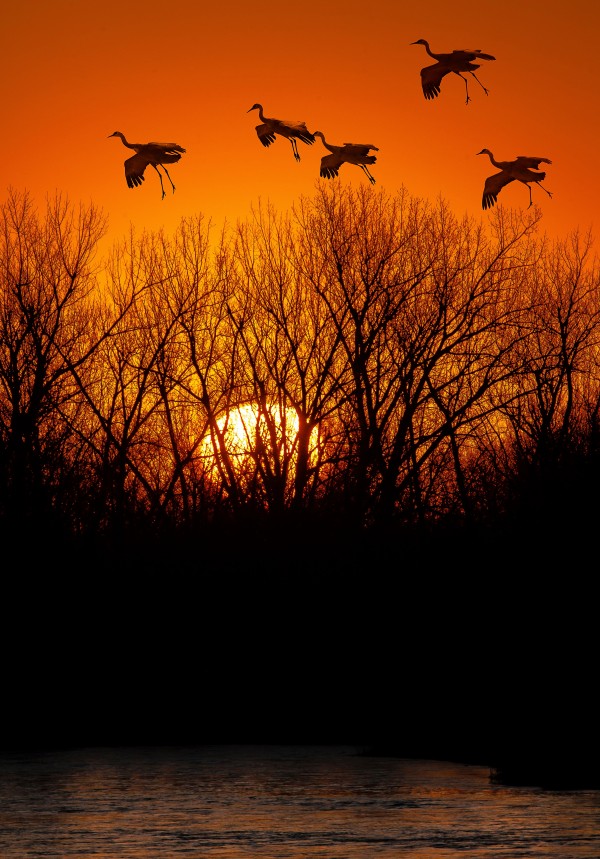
{"type": "Point", "coordinates": [307, 138]}
{"type": "Point", "coordinates": [370, 159]}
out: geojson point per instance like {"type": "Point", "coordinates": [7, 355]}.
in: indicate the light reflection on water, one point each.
{"type": "Point", "coordinates": [278, 802]}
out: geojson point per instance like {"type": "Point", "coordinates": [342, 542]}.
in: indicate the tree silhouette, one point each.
{"type": "Point", "coordinates": [388, 366]}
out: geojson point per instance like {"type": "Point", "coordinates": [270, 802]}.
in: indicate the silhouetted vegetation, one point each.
{"type": "Point", "coordinates": [379, 420]}
{"type": "Point", "coordinates": [366, 365]}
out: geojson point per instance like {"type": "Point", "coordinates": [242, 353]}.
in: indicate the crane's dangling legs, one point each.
{"type": "Point", "coordinates": [366, 170]}
{"type": "Point", "coordinates": [466, 86]}
{"type": "Point", "coordinates": [549, 193]}
{"type": "Point", "coordinates": [295, 148]}
{"type": "Point", "coordinates": [479, 82]}
{"type": "Point", "coordinates": [161, 181]}
{"type": "Point", "coordinates": [530, 197]}
{"type": "Point", "coordinates": [168, 177]}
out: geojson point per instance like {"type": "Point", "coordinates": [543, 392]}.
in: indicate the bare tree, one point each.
{"type": "Point", "coordinates": [554, 418]}
{"type": "Point", "coordinates": [47, 272]}
{"type": "Point", "coordinates": [365, 355]}
{"type": "Point", "coordinates": [422, 308]}
{"type": "Point", "coordinates": [289, 347]}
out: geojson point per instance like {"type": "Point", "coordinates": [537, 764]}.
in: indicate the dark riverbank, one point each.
{"type": "Point", "coordinates": [552, 768]}
{"type": "Point", "coordinates": [443, 651]}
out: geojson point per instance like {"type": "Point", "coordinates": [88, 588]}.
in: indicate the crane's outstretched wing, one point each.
{"type": "Point", "coordinates": [360, 148]}
{"type": "Point", "coordinates": [330, 164]}
{"type": "Point", "coordinates": [168, 148]}
{"type": "Point", "coordinates": [134, 170]}
{"type": "Point", "coordinates": [295, 129]}
{"type": "Point", "coordinates": [474, 54]}
{"type": "Point", "coordinates": [431, 78]}
{"type": "Point", "coordinates": [295, 124]}
{"type": "Point", "coordinates": [530, 161]}
{"type": "Point", "coordinates": [493, 186]}
{"type": "Point", "coordinates": [265, 135]}
{"type": "Point", "coordinates": [266, 132]}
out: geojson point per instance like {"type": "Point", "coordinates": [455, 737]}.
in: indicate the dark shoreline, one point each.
{"type": "Point", "coordinates": [441, 652]}
{"type": "Point", "coordinates": [550, 773]}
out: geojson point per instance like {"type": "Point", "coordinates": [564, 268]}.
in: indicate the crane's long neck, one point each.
{"type": "Point", "coordinates": [325, 144]}
{"type": "Point", "coordinates": [428, 49]}
{"type": "Point", "coordinates": [493, 160]}
{"type": "Point", "coordinates": [125, 142]}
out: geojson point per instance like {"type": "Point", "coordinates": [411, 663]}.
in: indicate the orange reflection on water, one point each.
{"type": "Point", "coordinates": [279, 803]}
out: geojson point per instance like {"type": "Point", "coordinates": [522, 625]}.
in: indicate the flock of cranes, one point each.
{"type": "Point", "coordinates": [522, 169]}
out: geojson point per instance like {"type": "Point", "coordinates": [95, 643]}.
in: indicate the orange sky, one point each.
{"type": "Point", "coordinates": [73, 72]}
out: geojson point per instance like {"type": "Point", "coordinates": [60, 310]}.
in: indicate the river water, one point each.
{"type": "Point", "coordinates": [278, 802]}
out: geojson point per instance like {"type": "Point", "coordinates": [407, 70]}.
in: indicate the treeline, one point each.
{"type": "Point", "coordinates": [366, 361]}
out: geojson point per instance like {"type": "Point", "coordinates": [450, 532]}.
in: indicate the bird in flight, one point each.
{"type": "Point", "coordinates": [350, 153]}
{"type": "Point", "coordinates": [520, 170]}
{"type": "Point", "coordinates": [156, 154]}
{"type": "Point", "coordinates": [457, 62]}
{"type": "Point", "coordinates": [291, 129]}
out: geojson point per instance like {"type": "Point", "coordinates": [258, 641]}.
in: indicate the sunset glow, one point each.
{"type": "Point", "coordinates": [72, 74]}
{"type": "Point", "coordinates": [251, 439]}
{"type": "Point", "coordinates": [299, 428]}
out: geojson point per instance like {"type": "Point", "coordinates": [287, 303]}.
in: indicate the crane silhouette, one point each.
{"type": "Point", "coordinates": [457, 62]}
{"type": "Point", "coordinates": [291, 129]}
{"type": "Point", "coordinates": [156, 154]}
{"type": "Point", "coordinates": [350, 153]}
{"type": "Point", "coordinates": [519, 170]}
